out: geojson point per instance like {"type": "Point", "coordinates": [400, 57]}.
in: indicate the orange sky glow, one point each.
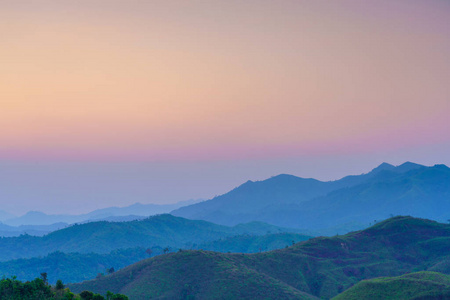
{"type": "Point", "coordinates": [110, 102]}
{"type": "Point", "coordinates": [151, 80]}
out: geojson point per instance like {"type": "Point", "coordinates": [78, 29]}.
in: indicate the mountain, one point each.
{"type": "Point", "coordinates": [137, 209]}
{"type": "Point", "coordinates": [104, 237]}
{"type": "Point", "coordinates": [321, 267]}
{"type": "Point", "coordinates": [36, 230]}
{"type": "Point", "coordinates": [352, 202]}
{"type": "Point", "coordinates": [71, 267]}
{"type": "Point", "coordinates": [75, 267]}
{"type": "Point", "coordinates": [252, 243]}
{"type": "Point", "coordinates": [413, 286]}
{"type": "Point", "coordinates": [5, 215]}
{"type": "Point", "coordinates": [422, 192]}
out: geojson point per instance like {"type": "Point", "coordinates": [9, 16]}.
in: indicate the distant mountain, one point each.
{"type": "Point", "coordinates": [104, 237]}
{"type": "Point", "coordinates": [137, 209]}
{"type": "Point", "coordinates": [413, 286]}
{"type": "Point", "coordinates": [336, 206]}
{"type": "Point", "coordinates": [36, 230]}
{"type": "Point", "coordinates": [422, 192]}
{"type": "Point", "coordinates": [5, 215]}
{"type": "Point", "coordinates": [321, 267]}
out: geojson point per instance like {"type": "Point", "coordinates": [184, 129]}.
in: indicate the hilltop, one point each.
{"type": "Point", "coordinates": [322, 267]}
{"type": "Point", "coordinates": [413, 286]}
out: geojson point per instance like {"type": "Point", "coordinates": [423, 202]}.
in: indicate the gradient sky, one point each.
{"type": "Point", "coordinates": [111, 102]}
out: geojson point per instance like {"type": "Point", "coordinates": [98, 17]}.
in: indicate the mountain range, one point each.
{"type": "Point", "coordinates": [136, 211]}
{"type": "Point", "coordinates": [350, 203]}
{"type": "Point", "coordinates": [103, 237]}
{"type": "Point", "coordinates": [322, 267]}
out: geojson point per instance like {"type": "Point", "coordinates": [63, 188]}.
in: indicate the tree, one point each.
{"type": "Point", "coordinates": [112, 296]}
{"type": "Point", "coordinates": [149, 252]}
{"type": "Point", "coordinates": [109, 295]}
{"type": "Point", "coordinates": [44, 277]}
{"type": "Point", "coordinates": [87, 295]}
{"type": "Point", "coordinates": [165, 250]}
{"type": "Point", "coordinates": [98, 297]}
{"type": "Point", "coordinates": [110, 270]}
{"type": "Point", "coordinates": [59, 285]}
{"type": "Point", "coordinates": [120, 297]}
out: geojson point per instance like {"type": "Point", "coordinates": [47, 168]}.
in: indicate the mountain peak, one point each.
{"type": "Point", "coordinates": [408, 166]}
{"type": "Point", "coordinates": [384, 166]}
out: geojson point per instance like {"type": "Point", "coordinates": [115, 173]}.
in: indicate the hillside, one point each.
{"type": "Point", "coordinates": [253, 244]}
{"type": "Point", "coordinates": [76, 267]}
{"type": "Point", "coordinates": [322, 267]}
{"type": "Point", "coordinates": [350, 203]}
{"type": "Point", "coordinates": [413, 286]}
{"type": "Point", "coordinates": [104, 237]}
{"type": "Point", "coordinates": [71, 267]}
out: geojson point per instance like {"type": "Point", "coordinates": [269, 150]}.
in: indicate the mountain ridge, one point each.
{"type": "Point", "coordinates": [285, 200]}
{"type": "Point", "coordinates": [322, 267]}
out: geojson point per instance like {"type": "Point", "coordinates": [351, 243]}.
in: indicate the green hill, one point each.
{"type": "Point", "coordinates": [253, 244]}
{"type": "Point", "coordinates": [323, 267]}
{"type": "Point", "coordinates": [196, 274]}
{"type": "Point", "coordinates": [76, 267]}
{"type": "Point", "coordinates": [104, 237]}
{"type": "Point", "coordinates": [71, 267]}
{"type": "Point", "coordinates": [413, 286]}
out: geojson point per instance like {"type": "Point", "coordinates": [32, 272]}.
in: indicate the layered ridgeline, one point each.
{"type": "Point", "coordinates": [76, 267]}
{"type": "Point", "coordinates": [321, 267]}
{"type": "Point", "coordinates": [350, 203]}
{"type": "Point", "coordinates": [128, 213]}
{"type": "Point", "coordinates": [413, 286]}
{"type": "Point", "coordinates": [164, 231]}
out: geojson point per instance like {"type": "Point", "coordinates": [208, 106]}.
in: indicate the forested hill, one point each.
{"type": "Point", "coordinates": [103, 237]}
{"type": "Point", "coordinates": [321, 267]}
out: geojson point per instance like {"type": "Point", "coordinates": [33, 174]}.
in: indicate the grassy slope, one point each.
{"type": "Point", "coordinates": [420, 285]}
{"type": "Point", "coordinates": [323, 267]}
{"type": "Point", "coordinates": [203, 274]}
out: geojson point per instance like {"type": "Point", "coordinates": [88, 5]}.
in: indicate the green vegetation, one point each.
{"type": "Point", "coordinates": [38, 289]}
{"type": "Point", "coordinates": [193, 274]}
{"type": "Point", "coordinates": [321, 267]}
{"type": "Point", "coordinates": [104, 237]}
{"type": "Point", "coordinates": [71, 267]}
{"type": "Point", "coordinates": [253, 244]}
{"type": "Point", "coordinates": [76, 267]}
{"type": "Point", "coordinates": [420, 285]}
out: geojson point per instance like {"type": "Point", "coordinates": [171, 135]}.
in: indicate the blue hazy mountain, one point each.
{"type": "Point", "coordinates": [351, 202]}
{"type": "Point", "coordinates": [138, 210]}
{"type": "Point", "coordinates": [36, 230]}
{"type": "Point", "coordinates": [5, 215]}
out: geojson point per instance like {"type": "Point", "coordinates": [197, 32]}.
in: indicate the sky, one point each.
{"type": "Point", "coordinates": [108, 103]}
